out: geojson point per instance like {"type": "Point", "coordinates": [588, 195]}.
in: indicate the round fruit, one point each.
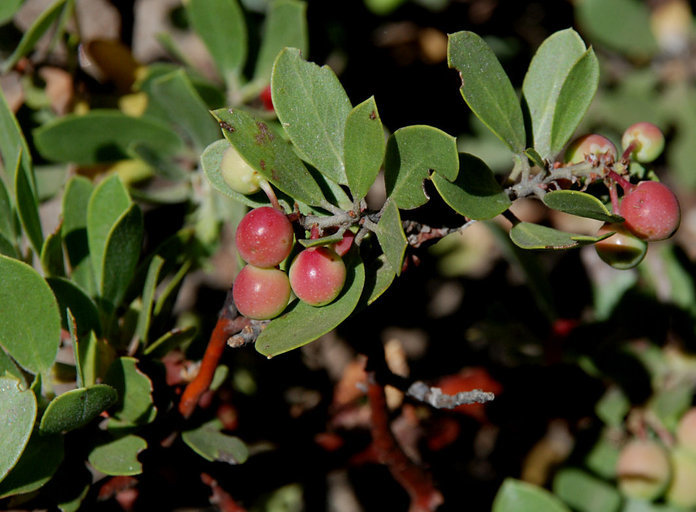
{"type": "Point", "coordinates": [266, 98]}
{"type": "Point", "coordinates": [317, 275]}
{"type": "Point", "coordinates": [643, 469]}
{"type": "Point", "coordinates": [648, 141]}
{"type": "Point", "coordinates": [264, 237]}
{"type": "Point", "coordinates": [261, 293]}
{"type": "Point", "coordinates": [593, 144]}
{"type": "Point", "coordinates": [686, 431]}
{"type": "Point", "coordinates": [622, 250]}
{"type": "Point", "coordinates": [238, 174]}
{"type": "Point", "coordinates": [651, 211]}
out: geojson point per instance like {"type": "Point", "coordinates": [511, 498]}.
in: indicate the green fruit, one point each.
{"type": "Point", "coordinates": [238, 174]}
{"type": "Point", "coordinates": [622, 250]}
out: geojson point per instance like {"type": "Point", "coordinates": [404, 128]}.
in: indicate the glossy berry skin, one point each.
{"type": "Point", "coordinates": [622, 250]}
{"type": "Point", "coordinates": [651, 211]}
{"type": "Point", "coordinates": [261, 293]}
{"type": "Point", "coordinates": [592, 144]}
{"type": "Point", "coordinates": [648, 139]}
{"type": "Point", "coordinates": [643, 469]}
{"type": "Point", "coordinates": [317, 275]}
{"type": "Point", "coordinates": [686, 431]}
{"type": "Point", "coordinates": [264, 237]}
{"type": "Point", "coordinates": [345, 244]}
{"type": "Point", "coordinates": [266, 98]}
{"type": "Point", "coordinates": [238, 174]}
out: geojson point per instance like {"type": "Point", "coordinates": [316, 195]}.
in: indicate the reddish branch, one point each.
{"type": "Point", "coordinates": [220, 497]}
{"type": "Point", "coordinates": [418, 483]}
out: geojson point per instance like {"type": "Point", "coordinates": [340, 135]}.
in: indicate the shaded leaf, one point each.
{"type": "Point", "coordinates": [379, 276]}
{"type": "Point", "coordinates": [72, 297]}
{"type": "Point", "coordinates": [604, 455]}
{"type": "Point", "coordinates": [13, 145]}
{"type": "Point", "coordinates": [7, 215]}
{"type": "Point", "coordinates": [76, 408]}
{"type": "Point", "coordinates": [391, 236]}
{"type": "Point", "coordinates": [39, 462]}
{"type": "Point", "coordinates": [313, 107]}
{"type": "Point", "coordinates": [52, 255]}
{"type": "Point", "coordinates": [210, 443]}
{"type": "Point", "coordinates": [134, 406]}
{"type": "Point", "coordinates": [74, 231]}
{"type": "Point", "coordinates": [516, 495]}
{"type": "Point", "coordinates": [28, 206]}
{"type": "Point", "coordinates": [581, 204]}
{"type": "Point", "coordinates": [163, 165]}
{"type": "Point", "coordinates": [148, 298]}
{"type": "Point", "coordinates": [535, 236]}
{"type": "Point", "coordinates": [170, 340]}
{"type": "Point", "coordinates": [94, 356]}
{"type": "Point", "coordinates": [8, 9]}
{"type": "Point", "coordinates": [475, 193]}
{"type": "Point", "coordinates": [412, 152]}
{"type": "Point", "coordinates": [8, 368]}
{"type": "Point", "coordinates": [7, 248]}
{"type": "Point", "coordinates": [118, 456]}
{"type": "Point", "coordinates": [584, 492]}
{"type": "Point", "coordinates": [364, 147]}
{"type": "Point", "coordinates": [18, 408]}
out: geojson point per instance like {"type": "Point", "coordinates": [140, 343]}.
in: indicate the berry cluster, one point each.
{"type": "Point", "coordinates": [261, 291]}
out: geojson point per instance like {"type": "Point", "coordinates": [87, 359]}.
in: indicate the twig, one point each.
{"type": "Point", "coordinates": [220, 497]}
{"type": "Point", "coordinates": [435, 397]}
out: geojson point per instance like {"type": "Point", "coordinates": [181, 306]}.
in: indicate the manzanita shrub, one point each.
{"type": "Point", "coordinates": [87, 320]}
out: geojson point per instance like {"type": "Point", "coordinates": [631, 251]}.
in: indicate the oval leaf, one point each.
{"type": "Point", "coordinates": [101, 136]}
{"type": "Point", "coordinates": [13, 145]}
{"type": "Point", "coordinates": [72, 297]}
{"type": "Point", "coordinates": [585, 492]}
{"type": "Point", "coordinates": [269, 154]}
{"type": "Point", "coordinates": [475, 193]}
{"type": "Point", "coordinates": [391, 237]}
{"type": "Point", "coordinates": [18, 412]}
{"type": "Point", "coordinates": [74, 231]}
{"type": "Point", "coordinates": [486, 88]}
{"type": "Point", "coordinates": [302, 323]}
{"type": "Point", "coordinates": [313, 108]}
{"type": "Point", "coordinates": [412, 152]}
{"type": "Point", "coordinates": [39, 462]}
{"type": "Point", "coordinates": [29, 317]}
{"type": "Point", "coordinates": [363, 147]}
{"type": "Point", "coordinates": [28, 206]}
{"type": "Point", "coordinates": [76, 408]}
{"type": "Point", "coordinates": [118, 456]}
{"type": "Point", "coordinates": [379, 276]}
{"type": "Point", "coordinates": [580, 204]}
{"type": "Point", "coordinates": [534, 236]}
{"type": "Point", "coordinates": [211, 444]}
{"type": "Point", "coordinates": [518, 496]}
{"type": "Point", "coordinates": [134, 388]}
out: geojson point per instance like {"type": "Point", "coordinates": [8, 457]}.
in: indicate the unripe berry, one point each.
{"type": "Point", "coordinates": [651, 211]}
{"type": "Point", "coordinates": [264, 237]}
{"type": "Point", "coordinates": [238, 174]}
{"type": "Point", "coordinates": [648, 141]}
{"type": "Point", "coordinates": [622, 250]}
{"type": "Point", "coordinates": [686, 431]}
{"type": "Point", "coordinates": [317, 275]}
{"type": "Point", "coordinates": [682, 491]}
{"type": "Point", "coordinates": [593, 144]}
{"type": "Point", "coordinates": [261, 293]}
{"type": "Point", "coordinates": [643, 469]}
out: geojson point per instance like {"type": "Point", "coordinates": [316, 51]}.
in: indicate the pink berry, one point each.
{"type": "Point", "coordinates": [261, 293]}
{"type": "Point", "coordinates": [593, 144]}
{"type": "Point", "coordinates": [651, 211]}
{"type": "Point", "coordinates": [647, 139]}
{"type": "Point", "coordinates": [345, 244]}
{"type": "Point", "coordinates": [643, 469]}
{"type": "Point", "coordinates": [622, 250]}
{"type": "Point", "coordinates": [686, 431]}
{"type": "Point", "coordinates": [264, 237]}
{"type": "Point", "coordinates": [317, 275]}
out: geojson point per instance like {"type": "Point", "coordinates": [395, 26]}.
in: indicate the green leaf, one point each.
{"type": "Point", "coordinates": [52, 255]}
{"type": "Point", "coordinates": [18, 409]}
{"type": "Point", "coordinates": [170, 340]}
{"type": "Point", "coordinates": [210, 162]}
{"type": "Point", "coordinates": [76, 408]}
{"type": "Point", "coordinates": [285, 26]}
{"type": "Point", "coordinates": [13, 145]}
{"type": "Point", "coordinates": [102, 136]}
{"type": "Point", "coordinates": [302, 323]}
{"type": "Point", "coordinates": [185, 107]}
{"type": "Point", "coordinates": [325, 240]}
{"type": "Point", "coordinates": [8, 9]}
{"type": "Point", "coordinates": [313, 107]}
{"type": "Point", "coordinates": [7, 248]}
{"type": "Point", "coordinates": [379, 276]}
{"type": "Point", "coordinates": [134, 406]}
{"type": "Point", "coordinates": [148, 298]}
{"type": "Point", "coordinates": [669, 403]}
{"type": "Point", "coordinates": [94, 356]}
{"type": "Point", "coordinates": [37, 29]}
{"type": "Point", "coordinates": [8, 368]}
{"type": "Point", "coordinates": [613, 407]}
{"type": "Point", "coordinates": [29, 318]}
{"type": "Point", "coordinates": [475, 193]}
{"type": "Point", "coordinates": [534, 236]}
{"type": "Point", "coordinates": [364, 147]}
{"type": "Point", "coordinates": [603, 456]}
{"type": "Point", "coordinates": [74, 230]}
{"type": "Point", "coordinates": [542, 84]}
{"type": "Point", "coordinates": [574, 99]}
{"type": "Point", "coordinates": [221, 26]}
{"type": "Point", "coordinates": [518, 496]}
{"type": "Point", "coordinates": [118, 456]}
{"type": "Point", "coordinates": [391, 237]}
{"type": "Point", "coordinates": [7, 215]}
{"type": "Point", "coordinates": [163, 165]}
{"type": "Point", "coordinates": [39, 462]}
{"type": "Point", "coordinates": [211, 444]}
{"type": "Point", "coordinates": [412, 152]}
{"type": "Point", "coordinates": [584, 492]}
{"type": "Point", "coordinates": [581, 204]}
{"type": "Point", "coordinates": [486, 88]}
{"type": "Point", "coordinates": [269, 154]}
{"type": "Point", "coordinates": [72, 297]}
{"type": "Point", "coordinates": [28, 206]}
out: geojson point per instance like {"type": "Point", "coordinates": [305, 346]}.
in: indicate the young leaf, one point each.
{"type": "Point", "coordinates": [486, 88]}
{"type": "Point", "coordinates": [74, 231]}
{"type": "Point", "coordinates": [269, 154]}
{"type": "Point", "coordinates": [102, 136]}
{"type": "Point", "coordinates": [313, 108]}
{"type": "Point", "coordinates": [143, 326]}
{"type": "Point", "coordinates": [95, 357]}
{"type": "Point", "coordinates": [51, 256]}
{"type": "Point", "coordinates": [390, 233]}
{"type": "Point", "coordinates": [118, 456]}
{"type": "Point", "coordinates": [29, 318]}
{"type": "Point", "coordinates": [28, 206]}
{"type": "Point", "coordinates": [210, 443]}
{"type": "Point", "coordinates": [584, 492]}
{"type": "Point", "coordinates": [134, 406]}
{"type": "Point", "coordinates": [19, 412]}
{"type": "Point", "coordinates": [39, 462]}
{"type": "Point", "coordinates": [412, 152]}
{"type": "Point", "coordinates": [525, 497]}
{"type": "Point", "coordinates": [475, 193]}
{"type": "Point", "coordinates": [574, 99]}
{"type": "Point", "coordinates": [581, 204]}
{"type": "Point", "coordinates": [302, 323]}
{"type": "Point", "coordinates": [221, 26]}
{"type": "Point", "coordinates": [76, 408]}
{"type": "Point", "coordinates": [285, 26]}
{"type": "Point", "coordinates": [363, 147]}
{"type": "Point", "coordinates": [534, 236]}
{"type": "Point", "coordinates": [542, 84]}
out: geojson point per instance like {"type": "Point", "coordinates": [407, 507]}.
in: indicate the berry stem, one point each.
{"type": "Point", "coordinates": [270, 193]}
{"type": "Point", "coordinates": [626, 185]}
{"type": "Point", "coordinates": [613, 194]}
{"type": "Point", "coordinates": [626, 156]}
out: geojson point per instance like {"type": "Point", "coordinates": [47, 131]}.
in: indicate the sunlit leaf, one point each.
{"type": "Point", "coordinates": [390, 233]}
{"type": "Point", "coordinates": [134, 406]}
{"type": "Point", "coordinates": [74, 231]}
{"type": "Point", "coordinates": [364, 147]}
{"type": "Point", "coordinates": [19, 412]}
{"type": "Point", "coordinates": [535, 236]}
{"type": "Point", "coordinates": [581, 204]}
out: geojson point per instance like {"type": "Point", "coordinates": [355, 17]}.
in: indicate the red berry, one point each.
{"type": "Point", "coordinates": [647, 139]}
{"type": "Point", "coordinates": [261, 293]}
{"type": "Point", "coordinates": [622, 250]}
{"type": "Point", "coordinates": [317, 275]}
{"type": "Point", "coordinates": [345, 244]}
{"type": "Point", "coordinates": [651, 211]}
{"type": "Point", "coordinates": [264, 237]}
{"type": "Point", "coordinates": [592, 144]}
{"type": "Point", "coordinates": [266, 98]}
